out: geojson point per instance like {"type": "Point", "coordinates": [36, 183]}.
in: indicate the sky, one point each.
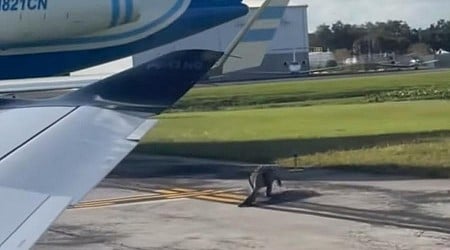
{"type": "Point", "coordinates": [417, 13]}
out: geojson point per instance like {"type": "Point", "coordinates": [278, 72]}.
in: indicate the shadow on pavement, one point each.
{"type": "Point", "coordinates": [288, 196]}
{"type": "Point", "coordinates": [401, 218]}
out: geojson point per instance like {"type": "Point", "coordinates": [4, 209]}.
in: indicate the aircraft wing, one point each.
{"type": "Point", "coordinates": [401, 66]}
{"type": "Point", "coordinates": [8, 87]}
{"type": "Point", "coordinates": [52, 159]}
{"type": "Point", "coordinates": [407, 65]}
{"type": "Point", "coordinates": [430, 62]}
{"type": "Point", "coordinates": [246, 50]}
{"type": "Point", "coordinates": [312, 71]}
{"type": "Point", "coordinates": [54, 151]}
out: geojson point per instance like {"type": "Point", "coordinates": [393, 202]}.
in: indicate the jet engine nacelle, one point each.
{"type": "Point", "coordinates": [27, 22]}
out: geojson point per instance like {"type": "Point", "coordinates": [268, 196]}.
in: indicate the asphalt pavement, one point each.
{"type": "Point", "coordinates": [154, 202]}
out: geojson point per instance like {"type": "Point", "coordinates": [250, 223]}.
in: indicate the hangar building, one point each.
{"type": "Point", "coordinates": [291, 37]}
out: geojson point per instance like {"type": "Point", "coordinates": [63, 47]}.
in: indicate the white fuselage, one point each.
{"type": "Point", "coordinates": [45, 20]}
{"type": "Point", "coordinates": [295, 67]}
{"type": "Point", "coordinates": [45, 26]}
{"type": "Point", "coordinates": [41, 38]}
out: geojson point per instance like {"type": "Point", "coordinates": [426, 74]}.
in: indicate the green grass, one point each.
{"type": "Point", "coordinates": [355, 123]}
{"type": "Point", "coordinates": [303, 122]}
{"type": "Point", "coordinates": [322, 134]}
{"type": "Point", "coordinates": [308, 92]}
{"type": "Point", "coordinates": [429, 156]}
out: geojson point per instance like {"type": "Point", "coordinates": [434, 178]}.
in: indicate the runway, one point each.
{"type": "Point", "coordinates": [179, 203]}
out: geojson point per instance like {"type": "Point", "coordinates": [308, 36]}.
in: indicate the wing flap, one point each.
{"type": "Point", "coordinates": [46, 84]}
{"type": "Point", "coordinates": [58, 166]}
{"type": "Point", "coordinates": [65, 152]}
{"type": "Point", "coordinates": [20, 125]}
{"type": "Point", "coordinates": [25, 215]}
{"type": "Point", "coordinates": [142, 130]}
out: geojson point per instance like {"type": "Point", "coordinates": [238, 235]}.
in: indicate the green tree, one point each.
{"type": "Point", "coordinates": [325, 35]}
{"type": "Point", "coordinates": [438, 35]}
{"type": "Point", "coordinates": [391, 36]}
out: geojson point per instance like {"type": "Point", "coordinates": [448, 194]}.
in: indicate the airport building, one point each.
{"type": "Point", "coordinates": [291, 37]}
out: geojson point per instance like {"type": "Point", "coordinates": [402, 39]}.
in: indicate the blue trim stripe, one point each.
{"type": "Point", "coordinates": [128, 10]}
{"type": "Point", "coordinates": [274, 12]}
{"type": "Point", "coordinates": [63, 61]}
{"type": "Point", "coordinates": [115, 5]}
{"type": "Point", "coordinates": [77, 41]}
{"type": "Point", "coordinates": [259, 35]}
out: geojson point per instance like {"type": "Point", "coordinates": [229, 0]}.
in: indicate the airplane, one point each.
{"type": "Point", "coordinates": [247, 53]}
{"type": "Point", "coordinates": [55, 150]}
{"type": "Point", "coordinates": [414, 63]}
{"type": "Point", "coordinates": [41, 38]}
{"type": "Point", "coordinates": [294, 67]}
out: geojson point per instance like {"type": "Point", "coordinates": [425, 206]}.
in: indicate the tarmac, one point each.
{"type": "Point", "coordinates": [152, 202]}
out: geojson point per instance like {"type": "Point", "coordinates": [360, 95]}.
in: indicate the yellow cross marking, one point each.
{"type": "Point", "coordinates": [222, 196]}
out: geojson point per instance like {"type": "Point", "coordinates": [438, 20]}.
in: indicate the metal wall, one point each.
{"type": "Point", "coordinates": [291, 36]}
{"type": "Point", "coordinates": [444, 61]}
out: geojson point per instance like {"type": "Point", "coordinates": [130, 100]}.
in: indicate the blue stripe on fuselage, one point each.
{"type": "Point", "coordinates": [195, 19]}
{"type": "Point", "coordinates": [115, 5]}
{"type": "Point", "coordinates": [128, 10]}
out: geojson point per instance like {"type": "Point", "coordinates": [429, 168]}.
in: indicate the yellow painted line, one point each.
{"type": "Point", "coordinates": [136, 199]}
{"type": "Point", "coordinates": [166, 191]}
{"type": "Point", "coordinates": [119, 198]}
{"type": "Point", "coordinates": [189, 195]}
{"type": "Point", "coordinates": [117, 202]}
{"type": "Point", "coordinates": [141, 199]}
{"type": "Point", "coordinates": [173, 195]}
{"type": "Point", "coordinates": [132, 198]}
{"type": "Point", "coordinates": [218, 199]}
{"type": "Point", "coordinates": [230, 190]}
{"type": "Point", "coordinates": [122, 199]}
{"type": "Point", "coordinates": [224, 196]}
{"type": "Point", "coordinates": [186, 190]}
{"type": "Point", "coordinates": [183, 190]}
{"type": "Point", "coordinates": [232, 196]}
{"type": "Point", "coordinates": [92, 205]}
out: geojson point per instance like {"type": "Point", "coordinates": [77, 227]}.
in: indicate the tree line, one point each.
{"type": "Point", "coordinates": [382, 37]}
